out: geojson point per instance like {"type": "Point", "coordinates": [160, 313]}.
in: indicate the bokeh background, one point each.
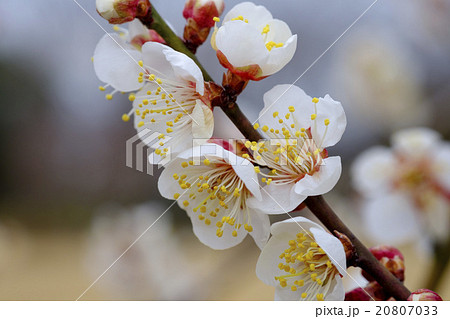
{"type": "Point", "coordinates": [69, 206]}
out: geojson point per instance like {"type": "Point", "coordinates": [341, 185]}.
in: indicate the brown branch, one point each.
{"type": "Point", "coordinates": [362, 257]}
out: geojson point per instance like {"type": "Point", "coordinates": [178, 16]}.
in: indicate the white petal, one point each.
{"type": "Point", "coordinates": [391, 219]}
{"type": "Point", "coordinates": [373, 170]}
{"type": "Point", "coordinates": [279, 31]}
{"type": "Point", "coordinates": [279, 57]}
{"type": "Point", "coordinates": [286, 294]}
{"type": "Point", "coordinates": [441, 165]}
{"type": "Point", "coordinates": [136, 28]}
{"type": "Point", "coordinates": [242, 44]}
{"type": "Point", "coordinates": [261, 228]}
{"type": "Point", "coordinates": [267, 265]}
{"type": "Point", "coordinates": [277, 199]}
{"type": "Point", "coordinates": [202, 121]}
{"type": "Point", "coordinates": [207, 233]}
{"type": "Point", "coordinates": [437, 218]}
{"type": "Point", "coordinates": [256, 15]}
{"type": "Point", "coordinates": [167, 186]}
{"type": "Point", "coordinates": [246, 172]}
{"type": "Point", "coordinates": [332, 110]}
{"type": "Point", "coordinates": [116, 63]}
{"type": "Point", "coordinates": [333, 248]}
{"type": "Point", "coordinates": [289, 228]}
{"type": "Point", "coordinates": [279, 98]}
{"type": "Point", "coordinates": [185, 68]}
{"type": "Point", "coordinates": [323, 181]}
{"type": "Point", "coordinates": [338, 292]}
{"type": "Point", "coordinates": [155, 60]}
{"type": "Point", "coordinates": [415, 142]}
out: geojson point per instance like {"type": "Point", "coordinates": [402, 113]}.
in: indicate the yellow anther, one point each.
{"type": "Point", "coordinates": [313, 116]}
{"type": "Point", "coordinates": [266, 29]}
{"type": "Point", "coordinates": [158, 81]}
{"type": "Point", "coordinates": [315, 100]}
{"type": "Point", "coordinates": [101, 88]}
{"type": "Point", "coordinates": [141, 123]}
{"type": "Point", "coordinates": [291, 109]}
{"type": "Point", "coordinates": [206, 161]}
{"type": "Point", "coordinates": [205, 186]}
{"type": "Point", "coordinates": [265, 128]}
{"type": "Point", "coordinates": [109, 96]}
{"type": "Point", "coordinates": [176, 195]}
{"type": "Point", "coordinates": [320, 297]}
{"type": "Point", "coordinates": [304, 295]}
{"type": "Point", "coordinates": [141, 63]}
{"type": "Point", "coordinates": [312, 267]}
{"type": "Point", "coordinates": [207, 221]}
{"type": "Point", "coordinates": [256, 126]}
{"type": "Point", "coordinates": [184, 164]}
{"type": "Point", "coordinates": [125, 117]}
{"type": "Point", "coordinates": [145, 102]}
{"type": "Point", "coordinates": [169, 130]}
{"type": "Point", "coordinates": [216, 19]}
{"type": "Point", "coordinates": [275, 114]}
{"type": "Point", "coordinates": [294, 288]}
{"type": "Point", "coordinates": [131, 97]}
{"type": "Point", "coordinates": [326, 121]}
{"type": "Point", "coordinates": [186, 203]}
{"type": "Point", "coordinates": [257, 170]}
{"type": "Point", "coordinates": [201, 217]}
{"type": "Point", "coordinates": [219, 233]}
{"type": "Point", "coordinates": [234, 233]}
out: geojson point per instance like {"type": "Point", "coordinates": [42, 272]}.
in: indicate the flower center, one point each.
{"type": "Point", "coordinates": [292, 152]}
{"type": "Point", "coordinates": [307, 265]}
{"type": "Point", "coordinates": [218, 196]}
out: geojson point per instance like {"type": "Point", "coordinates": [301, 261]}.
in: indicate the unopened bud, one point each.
{"type": "Point", "coordinates": [121, 11]}
{"type": "Point", "coordinates": [151, 36]}
{"type": "Point", "coordinates": [424, 295]}
{"type": "Point", "coordinates": [391, 258]}
{"type": "Point", "coordinates": [373, 291]}
{"type": "Point", "coordinates": [203, 12]}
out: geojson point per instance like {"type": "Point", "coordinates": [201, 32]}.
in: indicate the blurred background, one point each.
{"type": "Point", "coordinates": [69, 206]}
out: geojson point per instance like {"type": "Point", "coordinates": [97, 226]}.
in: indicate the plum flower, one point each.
{"type": "Point", "coordinates": [408, 185]}
{"type": "Point", "coordinates": [251, 44]}
{"type": "Point", "coordinates": [299, 129]}
{"type": "Point", "coordinates": [213, 185]}
{"type": "Point", "coordinates": [303, 262]}
{"type": "Point", "coordinates": [170, 96]}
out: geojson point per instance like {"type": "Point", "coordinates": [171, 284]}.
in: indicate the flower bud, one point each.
{"type": "Point", "coordinates": [424, 295]}
{"type": "Point", "coordinates": [391, 258]}
{"type": "Point", "coordinates": [203, 11]}
{"type": "Point", "coordinates": [121, 11]}
{"type": "Point", "coordinates": [150, 36]}
{"type": "Point", "coordinates": [373, 291]}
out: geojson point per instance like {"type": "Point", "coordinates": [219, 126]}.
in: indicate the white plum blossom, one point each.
{"type": "Point", "coordinates": [299, 128]}
{"type": "Point", "coordinates": [303, 262]}
{"type": "Point", "coordinates": [251, 43]}
{"type": "Point", "coordinates": [213, 185]}
{"type": "Point", "coordinates": [406, 188]}
{"type": "Point", "coordinates": [170, 97]}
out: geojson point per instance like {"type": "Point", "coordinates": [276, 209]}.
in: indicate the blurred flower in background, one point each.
{"type": "Point", "coordinates": [406, 188]}
{"type": "Point", "coordinates": [156, 267]}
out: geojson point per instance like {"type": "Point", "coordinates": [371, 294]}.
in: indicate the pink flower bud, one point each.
{"type": "Point", "coordinates": [121, 11]}
{"type": "Point", "coordinates": [424, 295]}
{"type": "Point", "coordinates": [203, 11]}
{"type": "Point", "coordinates": [373, 291]}
{"type": "Point", "coordinates": [391, 258]}
{"type": "Point", "coordinates": [152, 36]}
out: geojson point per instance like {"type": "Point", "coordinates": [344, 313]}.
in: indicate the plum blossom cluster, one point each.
{"type": "Point", "coordinates": [407, 185]}
{"type": "Point", "coordinates": [228, 190]}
